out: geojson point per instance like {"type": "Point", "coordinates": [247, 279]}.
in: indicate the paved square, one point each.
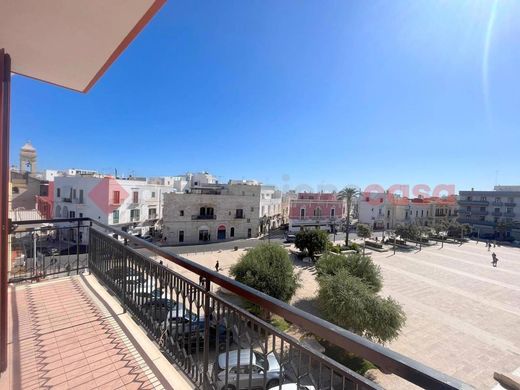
{"type": "Point", "coordinates": [463, 314]}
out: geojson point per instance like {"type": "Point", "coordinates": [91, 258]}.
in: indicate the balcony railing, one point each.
{"type": "Point", "coordinates": [510, 204]}
{"type": "Point", "coordinates": [194, 217]}
{"type": "Point", "coordinates": [509, 214]}
{"type": "Point", "coordinates": [205, 335]}
{"type": "Point", "coordinates": [311, 218]}
{"type": "Point", "coordinates": [473, 202]}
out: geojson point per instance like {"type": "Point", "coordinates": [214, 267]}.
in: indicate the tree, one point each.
{"type": "Point", "coordinates": [268, 269]}
{"type": "Point", "coordinates": [347, 194]}
{"type": "Point", "coordinates": [357, 265]}
{"type": "Point", "coordinates": [363, 231]}
{"type": "Point", "coordinates": [312, 241]}
{"type": "Point", "coordinates": [408, 232]}
{"type": "Point", "coordinates": [353, 305]}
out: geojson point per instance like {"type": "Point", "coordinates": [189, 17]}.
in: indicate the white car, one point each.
{"type": "Point", "coordinates": [293, 386]}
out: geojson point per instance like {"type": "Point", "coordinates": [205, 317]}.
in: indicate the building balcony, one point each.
{"type": "Point", "coordinates": [473, 203]}
{"type": "Point", "coordinates": [509, 214]}
{"type": "Point", "coordinates": [509, 204]}
{"type": "Point", "coordinates": [496, 213]}
{"type": "Point", "coordinates": [94, 329]}
{"type": "Point", "coordinates": [195, 217]}
{"type": "Point", "coordinates": [497, 204]}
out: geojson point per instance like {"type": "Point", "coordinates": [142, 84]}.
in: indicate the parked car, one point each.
{"type": "Point", "coordinates": [293, 386]}
{"type": "Point", "coordinates": [118, 273]}
{"type": "Point", "coordinates": [184, 325]}
{"type": "Point", "coordinates": [74, 249]}
{"type": "Point", "coordinates": [49, 251]}
{"type": "Point", "coordinates": [252, 365]}
{"type": "Point", "coordinates": [290, 237]}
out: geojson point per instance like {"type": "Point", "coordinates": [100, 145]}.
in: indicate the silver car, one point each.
{"type": "Point", "coordinates": [252, 366]}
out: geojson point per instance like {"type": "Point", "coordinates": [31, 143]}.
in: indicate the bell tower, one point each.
{"type": "Point", "coordinates": [27, 158]}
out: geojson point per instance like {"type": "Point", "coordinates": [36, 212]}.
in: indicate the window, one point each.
{"type": "Point", "coordinates": [58, 192]}
{"type": "Point", "coordinates": [74, 193]}
{"type": "Point", "coordinates": [498, 199]}
{"type": "Point", "coordinates": [206, 211]}
{"type": "Point", "coordinates": [115, 216]}
{"type": "Point", "coordinates": [152, 213]}
{"type": "Point", "coordinates": [239, 213]}
{"type": "Point", "coordinates": [317, 212]}
{"type": "Point", "coordinates": [136, 197]}
{"type": "Point", "coordinates": [116, 197]}
{"type": "Point", "coordinates": [302, 213]}
{"type": "Point", "coordinates": [248, 220]}
{"type": "Point", "coordinates": [252, 209]}
{"type": "Point", "coordinates": [72, 214]}
{"type": "Point", "coordinates": [203, 235]}
{"type": "Point", "coordinates": [153, 194]}
{"type": "Point", "coordinates": [388, 213]}
{"type": "Point", "coordinates": [44, 190]}
{"type": "Point", "coordinates": [81, 215]}
{"type": "Point", "coordinates": [468, 198]}
{"type": "Point", "coordinates": [249, 233]}
{"type": "Point", "coordinates": [332, 212]}
{"type": "Point", "coordinates": [422, 213]}
{"type": "Point", "coordinates": [181, 213]}
{"type": "Point", "coordinates": [135, 215]}
{"type": "Point", "coordinates": [181, 235]}
{"type": "Point", "coordinates": [232, 232]}
{"type": "Point", "coordinates": [483, 198]}
{"type": "Point", "coordinates": [80, 196]}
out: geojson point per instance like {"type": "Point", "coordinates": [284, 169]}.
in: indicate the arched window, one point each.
{"type": "Point", "coordinates": [232, 232]}
{"type": "Point", "coordinates": [332, 212]}
{"type": "Point", "coordinates": [302, 213]}
{"type": "Point", "coordinates": [317, 212]}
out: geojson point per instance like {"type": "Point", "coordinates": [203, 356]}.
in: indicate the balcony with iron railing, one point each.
{"type": "Point", "coordinates": [201, 332]}
{"type": "Point", "coordinates": [203, 216]}
{"type": "Point", "coordinates": [509, 204]}
{"type": "Point", "coordinates": [466, 202]}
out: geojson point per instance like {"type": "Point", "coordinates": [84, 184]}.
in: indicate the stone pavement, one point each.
{"type": "Point", "coordinates": [463, 314]}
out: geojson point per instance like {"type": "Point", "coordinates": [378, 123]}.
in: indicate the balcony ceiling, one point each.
{"type": "Point", "coordinates": [70, 43]}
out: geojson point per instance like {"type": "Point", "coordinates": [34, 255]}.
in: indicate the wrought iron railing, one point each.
{"type": "Point", "coordinates": [222, 346]}
{"type": "Point", "coordinates": [43, 250]}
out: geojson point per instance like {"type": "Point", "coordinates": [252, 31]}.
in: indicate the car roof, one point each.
{"type": "Point", "coordinates": [245, 358]}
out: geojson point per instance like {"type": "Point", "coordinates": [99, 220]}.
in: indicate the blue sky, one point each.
{"type": "Point", "coordinates": [298, 92]}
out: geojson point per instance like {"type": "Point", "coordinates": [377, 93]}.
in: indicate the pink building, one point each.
{"type": "Point", "coordinates": [315, 210]}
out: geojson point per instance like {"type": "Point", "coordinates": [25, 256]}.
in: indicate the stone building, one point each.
{"type": "Point", "coordinates": [212, 212]}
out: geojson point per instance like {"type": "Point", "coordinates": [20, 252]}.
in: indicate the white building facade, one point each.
{"type": "Point", "coordinates": [383, 211]}
{"type": "Point", "coordinates": [211, 213]}
{"type": "Point", "coordinates": [133, 205]}
{"type": "Point", "coordinates": [270, 210]}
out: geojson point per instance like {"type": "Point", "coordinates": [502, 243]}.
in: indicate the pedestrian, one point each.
{"type": "Point", "coordinates": [494, 260]}
{"type": "Point", "coordinates": [160, 262]}
{"type": "Point", "coordinates": [489, 245]}
{"type": "Point", "coordinates": [217, 266]}
{"type": "Point", "coordinates": [67, 268]}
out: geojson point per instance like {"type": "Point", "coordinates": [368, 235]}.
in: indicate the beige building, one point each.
{"type": "Point", "coordinates": [387, 211]}
{"type": "Point", "coordinates": [211, 213]}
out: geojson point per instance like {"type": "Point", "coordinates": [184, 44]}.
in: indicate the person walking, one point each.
{"type": "Point", "coordinates": [489, 245]}
{"type": "Point", "coordinates": [217, 266]}
{"type": "Point", "coordinates": [494, 260]}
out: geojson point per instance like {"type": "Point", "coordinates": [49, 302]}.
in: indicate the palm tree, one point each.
{"type": "Point", "coordinates": [347, 194]}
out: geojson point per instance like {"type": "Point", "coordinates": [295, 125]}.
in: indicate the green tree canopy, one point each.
{"type": "Point", "coordinates": [356, 264]}
{"type": "Point", "coordinates": [363, 231]}
{"type": "Point", "coordinates": [312, 241]}
{"type": "Point", "coordinates": [408, 232]}
{"type": "Point", "coordinates": [268, 269]}
{"type": "Point", "coordinates": [348, 302]}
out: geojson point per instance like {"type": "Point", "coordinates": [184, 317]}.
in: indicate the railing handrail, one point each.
{"type": "Point", "coordinates": [383, 357]}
